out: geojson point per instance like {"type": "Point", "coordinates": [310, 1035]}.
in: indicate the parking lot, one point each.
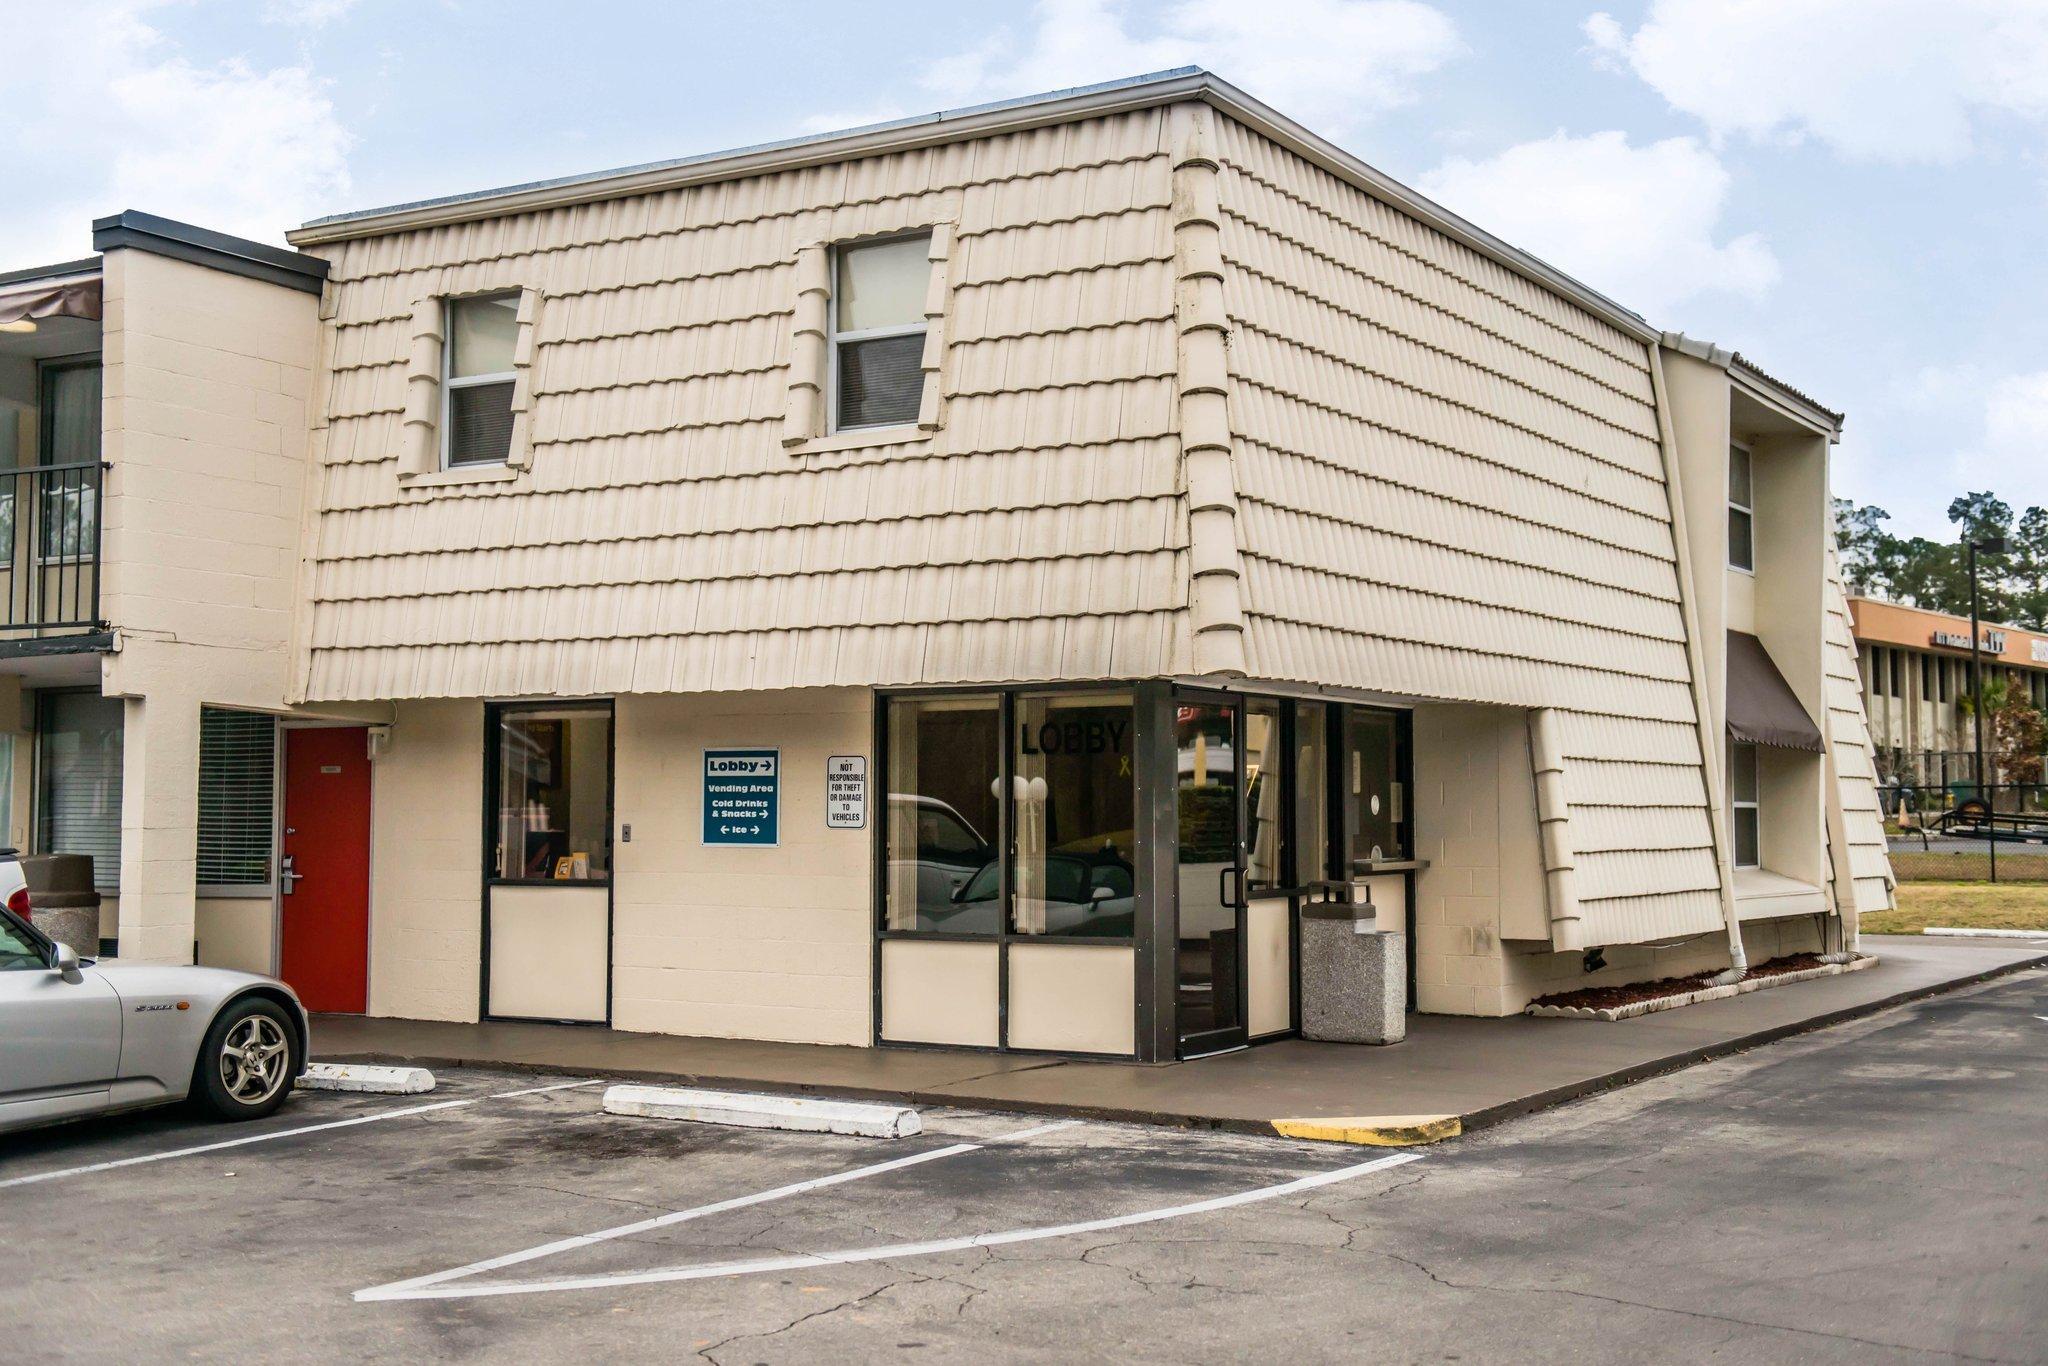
{"type": "Point", "coordinates": [1867, 1192]}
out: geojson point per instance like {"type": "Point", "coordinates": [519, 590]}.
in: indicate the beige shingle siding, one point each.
{"type": "Point", "coordinates": [1848, 729]}
{"type": "Point", "coordinates": [1452, 487]}
{"type": "Point", "coordinates": [663, 538]}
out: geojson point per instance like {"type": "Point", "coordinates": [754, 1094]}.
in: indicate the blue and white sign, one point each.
{"type": "Point", "coordinates": [742, 796]}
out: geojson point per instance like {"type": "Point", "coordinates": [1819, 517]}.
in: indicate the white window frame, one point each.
{"type": "Point", "coordinates": [1746, 509]}
{"type": "Point", "coordinates": [449, 383]}
{"type": "Point", "coordinates": [1736, 805]}
{"type": "Point", "coordinates": [833, 336]}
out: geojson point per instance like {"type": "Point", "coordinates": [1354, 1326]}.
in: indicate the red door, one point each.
{"type": "Point", "coordinates": [325, 878]}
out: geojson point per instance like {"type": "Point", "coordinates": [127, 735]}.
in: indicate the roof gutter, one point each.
{"type": "Point", "coordinates": [1009, 116]}
{"type": "Point", "coordinates": [1772, 393]}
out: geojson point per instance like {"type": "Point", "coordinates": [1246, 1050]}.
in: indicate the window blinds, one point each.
{"type": "Point", "coordinates": [78, 764]}
{"type": "Point", "coordinates": [237, 792]}
{"type": "Point", "coordinates": [480, 424]}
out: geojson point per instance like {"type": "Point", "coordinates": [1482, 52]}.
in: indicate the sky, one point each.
{"type": "Point", "coordinates": [1853, 193]}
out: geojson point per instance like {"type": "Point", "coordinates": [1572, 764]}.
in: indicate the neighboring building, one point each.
{"type": "Point", "coordinates": [971, 580]}
{"type": "Point", "coordinates": [1915, 670]}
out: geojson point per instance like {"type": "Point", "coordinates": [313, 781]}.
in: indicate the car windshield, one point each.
{"type": "Point", "coordinates": [18, 950]}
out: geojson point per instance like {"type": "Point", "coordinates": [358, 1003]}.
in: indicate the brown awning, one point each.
{"type": "Point", "coordinates": [74, 298]}
{"type": "Point", "coordinates": [1762, 708]}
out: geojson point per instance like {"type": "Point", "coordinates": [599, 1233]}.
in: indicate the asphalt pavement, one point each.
{"type": "Point", "coordinates": [1867, 1192]}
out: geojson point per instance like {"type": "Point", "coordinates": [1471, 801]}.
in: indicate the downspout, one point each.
{"type": "Point", "coordinates": [1695, 653]}
{"type": "Point", "coordinates": [1553, 822]}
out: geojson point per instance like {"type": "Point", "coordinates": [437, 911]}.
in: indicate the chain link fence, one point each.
{"type": "Point", "coordinates": [1965, 832]}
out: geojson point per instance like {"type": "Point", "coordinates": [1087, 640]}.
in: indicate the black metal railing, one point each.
{"type": "Point", "coordinates": [50, 531]}
{"type": "Point", "coordinates": [1995, 832]}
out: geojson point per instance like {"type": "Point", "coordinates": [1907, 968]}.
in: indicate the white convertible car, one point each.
{"type": "Point", "coordinates": [78, 1038]}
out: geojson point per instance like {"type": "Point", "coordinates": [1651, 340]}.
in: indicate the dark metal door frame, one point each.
{"type": "Point", "coordinates": [1237, 1036]}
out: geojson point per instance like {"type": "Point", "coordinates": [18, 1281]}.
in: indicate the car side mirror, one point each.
{"type": "Point", "coordinates": [65, 960]}
{"type": "Point", "coordinates": [1103, 894]}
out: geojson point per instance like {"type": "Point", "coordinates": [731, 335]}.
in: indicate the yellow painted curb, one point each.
{"type": "Point", "coordinates": [1380, 1131]}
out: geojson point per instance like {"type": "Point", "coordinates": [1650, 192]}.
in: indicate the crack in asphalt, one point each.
{"type": "Point", "coordinates": [901, 1278]}
{"type": "Point", "coordinates": [1735, 1321]}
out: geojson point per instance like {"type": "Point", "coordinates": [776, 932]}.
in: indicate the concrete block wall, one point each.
{"type": "Point", "coordinates": [1530, 971]}
{"type": "Point", "coordinates": [426, 863]}
{"type": "Point", "coordinates": [1475, 823]}
{"type": "Point", "coordinates": [206, 382]}
{"type": "Point", "coordinates": [206, 378]}
{"type": "Point", "coordinates": [740, 942]}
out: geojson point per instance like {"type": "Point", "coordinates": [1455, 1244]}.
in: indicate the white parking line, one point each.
{"type": "Point", "coordinates": [419, 1289]}
{"type": "Point", "coordinates": [403, 1112]}
{"type": "Point", "coordinates": [399, 1289]}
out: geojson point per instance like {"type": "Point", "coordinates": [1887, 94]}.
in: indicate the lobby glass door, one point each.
{"type": "Point", "coordinates": [1209, 940]}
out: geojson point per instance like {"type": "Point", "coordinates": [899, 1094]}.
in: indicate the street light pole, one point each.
{"type": "Point", "coordinates": [1976, 685]}
{"type": "Point", "coordinates": [1994, 545]}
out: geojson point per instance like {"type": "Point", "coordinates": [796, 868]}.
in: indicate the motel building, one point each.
{"type": "Point", "coordinates": [1000, 580]}
{"type": "Point", "coordinates": [1914, 666]}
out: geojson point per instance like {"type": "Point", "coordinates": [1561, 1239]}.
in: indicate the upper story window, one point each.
{"type": "Point", "coordinates": [477, 385]}
{"type": "Point", "coordinates": [1741, 510]}
{"type": "Point", "coordinates": [877, 331]}
{"type": "Point", "coordinates": [1743, 804]}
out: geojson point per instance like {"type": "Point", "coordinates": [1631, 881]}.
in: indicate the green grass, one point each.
{"type": "Point", "coordinates": [1963, 906]}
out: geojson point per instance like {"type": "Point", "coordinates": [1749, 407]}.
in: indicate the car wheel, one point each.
{"type": "Point", "coordinates": [247, 1063]}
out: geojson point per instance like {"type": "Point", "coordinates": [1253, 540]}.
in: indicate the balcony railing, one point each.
{"type": "Point", "coordinates": [50, 531]}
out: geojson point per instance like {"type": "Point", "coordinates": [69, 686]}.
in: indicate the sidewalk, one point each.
{"type": "Point", "coordinates": [1453, 1073]}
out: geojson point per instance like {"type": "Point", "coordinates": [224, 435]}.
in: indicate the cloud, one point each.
{"type": "Point", "coordinates": [305, 13]}
{"type": "Point", "coordinates": [1876, 80]}
{"type": "Point", "coordinates": [839, 120]}
{"type": "Point", "coordinates": [1993, 426]}
{"type": "Point", "coordinates": [1330, 63]}
{"type": "Point", "coordinates": [227, 145]}
{"type": "Point", "coordinates": [2016, 436]}
{"type": "Point", "coordinates": [1636, 223]}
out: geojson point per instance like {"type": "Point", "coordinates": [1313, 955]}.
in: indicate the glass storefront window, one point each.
{"type": "Point", "coordinates": [553, 794]}
{"type": "Point", "coordinates": [1265, 777]}
{"type": "Point", "coordinates": [1073, 781]}
{"type": "Point", "coordinates": [1379, 828]}
{"type": "Point", "coordinates": [945, 820]}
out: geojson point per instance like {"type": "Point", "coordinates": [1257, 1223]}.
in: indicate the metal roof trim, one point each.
{"type": "Point", "coordinates": [1032, 111]}
{"type": "Point", "coordinates": [1794, 404]}
{"type": "Point", "coordinates": [62, 270]}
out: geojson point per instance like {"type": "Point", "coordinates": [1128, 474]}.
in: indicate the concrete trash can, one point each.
{"type": "Point", "coordinates": [62, 900]}
{"type": "Point", "coordinates": [1354, 977]}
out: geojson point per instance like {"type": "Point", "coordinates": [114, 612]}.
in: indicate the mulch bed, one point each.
{"type": "Point", "coordinates": [1608, 998]}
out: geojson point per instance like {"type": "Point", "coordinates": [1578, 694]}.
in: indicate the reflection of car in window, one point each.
{"type": "Point", "coordinates": [945, 849]}
{"type": "Point", "coordinates": [1081, 894]}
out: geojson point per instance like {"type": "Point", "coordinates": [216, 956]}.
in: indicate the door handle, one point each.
{"type": "Point", "coordinates": [289, 877]}
{"type": "Point", "coordinates": [1233, 896]}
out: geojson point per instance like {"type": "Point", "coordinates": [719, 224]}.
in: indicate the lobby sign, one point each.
{"type": "Point", "coordinates": [742, 796]}
{"type": "Point", "coordinates": [846, 792]}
